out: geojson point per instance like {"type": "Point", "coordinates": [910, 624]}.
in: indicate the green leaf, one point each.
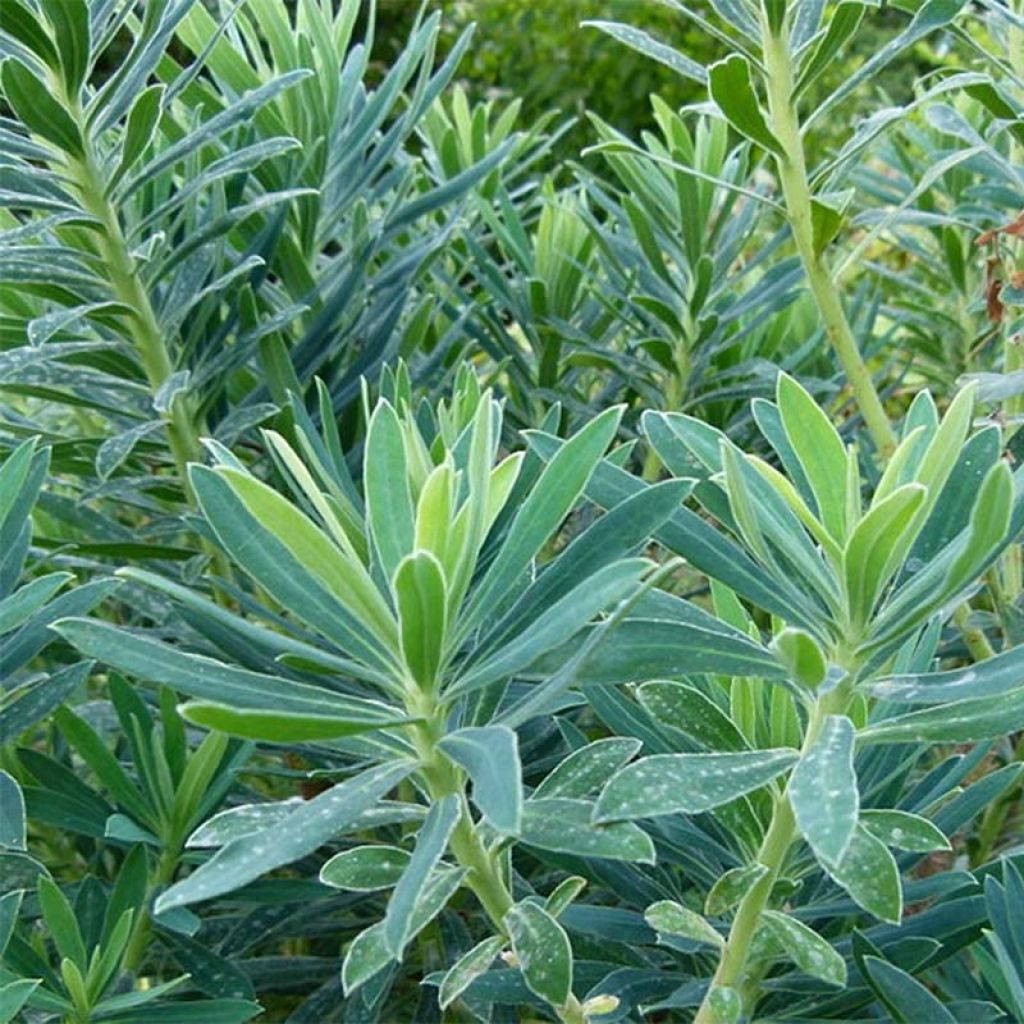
{"type": "Point", "coordinates": [467, 969]}
{"type": "Point", "coordinates": [13, 997]}
{"type": "Point", "coordinates": [643, 42]}
{"type": "Point", "coordinates": [365, 868]}
{"type": "Point", "coordinates": [555, 493]}
{"type": "Point", "coordinates": [732, 90]}
{"type": "Point", "coordinates": [281, 726]}
{"type": "Point", "coordinates": [563, 895]}
{"type": "Point", "coordinates": [306, 828]}
{"type": "Point", "coordinates": [802, 656]}
{"type": "Point", "coordinates": [820, 450]}
{"type": "Point", "coordinates": [60, 922]}
{"type": "Point", "coordinates": [823, 790]}
{"type": "Point", "coordinates": [828, 214]}
{"type": "Point", "coordinates": [143, 119]}
{"type": "Point", "coordinates": [490, 755]}
{"type": "Point", "coordinates": [725, 1004]}
{"type": "Point", "coordinates": [70, 21]}
{"type": "Point", "coordinates": [904, 831]}
{"type": "Point", "coordinates": [431, 843]}
{"type": "Point", "coordinates": [10, 904]}
{"type": "Point", "coordinates": [12, 813]}
{"type": "Point", "coordinates": [421, 595]}
{"type": "Point", "coordinates": [298, 564]}
{"type": "Point", "coordinates": [905, 997]}
{"type": "Point", "coordinates": [995, 676]}
{"type": "Point", "coordinates": [687, 783]}
{"type": "Point", "coordinates": [586, 770]}
{"type": "Point", "coordinates": [36, 108]}
{"type": "Point", "coordinates": [870, 875]}
{"type": "Point", "coordinates": [19, 22]}
{"type": "Point", "coordinates": [207, 679]}
{"type": "Point", "coordinates": [692, 712]}
{"type": "Point", "coordinates": [731, 887]}
{"type": "Point", "coordinates": [876, 549]}
{"type": "Point", "coordinates": [368, 954]}
{"type": "Point", "coordinates": [27, 600]}
{"type": "Point", "coordinates": [669, 918]}
{"type": "Point", "coordinates": [808, 950]}
{"type": "Point", "coordinates": [543, 951]}
{"type": "Point", "coordinates": [566, 826]}
{"type": "Point", "coordinates": [842, 25]}
{"type": "Point", "coordinates": [962, 721]}
{"type": "Point", "coordinates": [389, 509]}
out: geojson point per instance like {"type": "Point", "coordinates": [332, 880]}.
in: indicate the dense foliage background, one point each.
{"type": "Point", "coordinates": [510, 510]}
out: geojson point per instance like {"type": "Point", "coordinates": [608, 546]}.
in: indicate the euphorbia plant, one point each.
{"type": "Point", "coordinates": [856, 583]}
{"type": "Point", "coordinates": [412, 603]}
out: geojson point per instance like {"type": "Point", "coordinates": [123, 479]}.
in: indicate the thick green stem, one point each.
{"type": "Point", "coordinates": [796, 191]}
{"type": "Point", "coordinates": [977, 642]}
{"type": "Point", "coordinates": [138, 941]}
{"type": "Point", "coordinates": [781, 834]}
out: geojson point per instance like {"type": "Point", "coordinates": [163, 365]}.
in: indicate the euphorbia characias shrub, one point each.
{"type": "Point", "coordinates": [413, 602]}
{"type": "Point", "coordinates": [859, 581]}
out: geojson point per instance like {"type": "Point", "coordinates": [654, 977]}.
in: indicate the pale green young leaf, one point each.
{"type": "Point", "coordinates": [808, 950]}
{"type": "Point", "coordinates": [904, 831]}
{"type": "Point", "coordinates": [434, 513]}
{"type": "Point", "coordinates": [877, 548]}
{"type": "Point", "coordinates": [389, 507]}
{"type": "Point", "coordinates": [820, 451]}
{"type": "Point", "coordinates": [60, 923]}
{"type": "Point", "coordinates": [669, 918]}
{"type": "Point", "coordinates": [898, 465]}
{"type": "Point", "coordinates": [731, 887]}
{"type": "Point", "coordinates": [555, 493]}
{"type": "Point", "coordinates": [365, 868]}
{"type": "Point", "coordinates": [490, 756]}
{"type": "Point", "coordinates": [823, 791]}
{"type": "Point", "coordinates": [803, 657]}
{"type": "Point", "coordinates": [731, 88]}
{"type": "Point", "coordinates": [421, 595]}
{"type": "Point", "coordinates": [543, 951]}
{"type": "Point", "coordinates": [687, 783]}
{"type": "Point", "coordinates": [940, 456]}
{"type": "Point", "coordinates": [467, 969]}
{"type": "Point", "coordinates": [284, 726]}
{"type": "Point", "coordinates": [563, 894]}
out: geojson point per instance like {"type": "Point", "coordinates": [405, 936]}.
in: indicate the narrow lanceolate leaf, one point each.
{"type": "Point", "coordinates": [808, 950]}
{"type": "Point", "coordinates": [543, 951]}
{"type": "Point", "coordinates": [281, 726]}
{"type": "Point", "coordinates": [555, 493]}
{"type": "Point", "coordinates": [904, 831]}
{"type": "Point", "coordinates": [586, 770]}
{"type": "Point", "coordinates": [365, 868]}
{"type": "Point", "coordinates": [490, 755]}
{"type": "Point", "coordinates": [563, 894]}
{"type": "Point", "coordinates": [989, 678]}
{"type": "Point", "coordinates": [13, 996]}
{"type": "Point", "coordinates": [669, 918]}
{"type": "Point", "coordinates": [820, 450]}
{"type": "Point", "coordinates": [467, 969]}
{"type": "Point", "coordinates": [877, 548]}
{"type": "Point", "coordinates": [963, 721]}
{"type": "Point", "coordinates": [732, 90]}
{"type": "Point", "coordinates": [906, 998]}
{"type": "Point", "coordinates": [422, 598]}
{"type": "Point", "coordinates": [431, 843]}
{"type": "Point", "coordinates": [369, 955]}
{"type": "Point", "coordinates": [692, 712]}
{"type": "Point", "coordinates": [687, 783]}
{"type": "Point", "coordinates": [565, 826]}
{"type": "Point", "coordinates": [732, 887]}
{"type": "Point", "coordinates": [823, 790]}
{"type": "Point", "coordinates": [12, 814]}
{"type": "Point", "coordinates": [870, 875]}
{"type": "Point", "coordinates": [300, 833]}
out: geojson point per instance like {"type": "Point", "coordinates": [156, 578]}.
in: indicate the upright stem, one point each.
{"type": "Point", "coordinates": [796, 191]}
{"type": "Point", "coordinates": [781, 834]}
